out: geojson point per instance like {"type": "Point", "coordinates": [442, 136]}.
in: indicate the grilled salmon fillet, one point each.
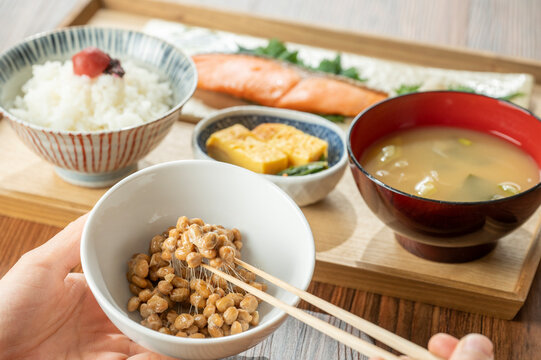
{"type": "Point", "coordinates": [273, 83]}
{"type": "Point", "coordinates": [248, 77]}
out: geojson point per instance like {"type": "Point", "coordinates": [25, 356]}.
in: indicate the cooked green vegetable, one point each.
{"type": "Point", "coordinates": [476, 187]}
{"type": "Point", "coordinates": [310, 168]}
{"type": "Point", "coordinates": [334, 118]}
{"type": "Point", "coordinates": [406, 89]}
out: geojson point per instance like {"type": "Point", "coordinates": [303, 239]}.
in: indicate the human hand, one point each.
{"type": "Point", "coordinates": [50, 313]}
{"type": "Point", "coordinates": [470, 347]}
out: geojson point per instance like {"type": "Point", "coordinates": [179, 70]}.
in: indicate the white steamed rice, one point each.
{"type": "Point", "coordinates": [57, 98]}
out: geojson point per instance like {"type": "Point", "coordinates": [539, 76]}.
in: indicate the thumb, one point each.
{"type": "Point", "coordinates": [473, 347]}
{"type": "Point", "coordinates": [61, 253]}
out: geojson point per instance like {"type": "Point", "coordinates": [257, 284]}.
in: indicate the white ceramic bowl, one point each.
{"type": "Point", "coordinates": [95, 158]}
{"type": "Point", "coordinates": [305, 190]}
{"type": "Point", "coordinates": [276, 236]}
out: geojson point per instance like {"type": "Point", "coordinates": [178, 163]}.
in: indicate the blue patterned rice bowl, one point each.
{"type": "Point", "coordinates": [95, 158]}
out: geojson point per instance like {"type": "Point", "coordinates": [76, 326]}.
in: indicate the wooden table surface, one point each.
{"type": "Point", "coordinates": [506, 27]}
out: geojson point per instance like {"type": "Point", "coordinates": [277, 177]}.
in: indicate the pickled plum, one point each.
{"type": "Point", "coordinates": [90, 62]}
{"type": "Point", "coordinates": [93, 62]}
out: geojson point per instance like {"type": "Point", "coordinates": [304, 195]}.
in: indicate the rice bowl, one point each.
{"type": "Point", "coordinates": [96, 158]}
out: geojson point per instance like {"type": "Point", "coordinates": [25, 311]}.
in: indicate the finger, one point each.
{"type": "Point", "coordinates": [121, 343]}
{"type": "Point", "coordinates": [76, 284]}
{"type": "Point", "coordinates": [442, 345]}
{"type": "Point", "coordinates": [62, 253]}
{"type": "Point", "coordinates": [144, 353]}
{"type": "Point", "coordinates": [473, 347]}
{"type": "Point", "coordinates": [109, 356]}
{"type": "Point", "coordinates": [150, 356]}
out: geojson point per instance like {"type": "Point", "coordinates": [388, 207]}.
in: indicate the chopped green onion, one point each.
{"type": "Point", "coordinates": [509, 188]}
{"type": "Point", "coordinates": [388, 152]}
{"type": "Point", "coordinates": [426, 186]}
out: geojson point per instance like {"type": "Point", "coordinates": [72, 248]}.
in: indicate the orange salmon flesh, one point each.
{"type": "Point", "coordinates": [271, 83]}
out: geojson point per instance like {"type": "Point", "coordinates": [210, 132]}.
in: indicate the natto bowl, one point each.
{"type": "Point", "coordinates": [275, 233]}
{"type": "Point", "coordinates": [95, 158]}
{"type": "Point", "coordinates": [445, 231]}
{"type": "Point", "coordinates": [304, 190]}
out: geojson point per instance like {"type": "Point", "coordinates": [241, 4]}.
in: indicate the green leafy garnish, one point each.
{"type": "Point", "coordinates": [276, 49]}
{"type": "Point", "coordinates": [468, 89]}
{"type": "Point", "coordinates": [334, 66]}
{"type": "Point", "coordinates": [334, 118]}
{"type": "Point", "coordinates": [463, 88]}
{"type": "Point", "coordinates": [406, 89]}
{"type": "Point", "coordinates": [352, 73]}
{"type": "Point", "coordinates": [310, 168]}
{"type": "Point", "coordinates": [511, 96]}
{"type": "Point", "coordinates": [331, 66]}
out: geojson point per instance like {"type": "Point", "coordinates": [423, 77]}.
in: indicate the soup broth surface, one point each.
{"type": "Point", "coordinates": [451, 164]}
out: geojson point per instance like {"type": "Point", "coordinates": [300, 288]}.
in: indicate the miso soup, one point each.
{"type": "Point", "coordinates": [451, 164]}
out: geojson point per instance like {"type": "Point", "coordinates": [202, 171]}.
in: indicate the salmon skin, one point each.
{"type": "Point", "coordinates": [272, 83]}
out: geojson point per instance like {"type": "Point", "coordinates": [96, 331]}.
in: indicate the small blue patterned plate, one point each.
{"type": "Point", "coordinates": [306, 189]}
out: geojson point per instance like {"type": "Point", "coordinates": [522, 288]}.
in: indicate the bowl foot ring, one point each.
{"type": "Point", "coordinates": [445, 254]}
{"type": "Point", "coordinates": [96, 180]}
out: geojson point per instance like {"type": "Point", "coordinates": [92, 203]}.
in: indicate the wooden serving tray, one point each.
{"type": "Point", "coordinates": [354, 248]}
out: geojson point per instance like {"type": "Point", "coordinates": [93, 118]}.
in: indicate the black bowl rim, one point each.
{"type": "Point", "coordinates": [443, 202]}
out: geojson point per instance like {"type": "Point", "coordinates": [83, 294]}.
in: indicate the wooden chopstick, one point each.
{"type": "Point", "coordinates": [398, 343]}
{"type": "Point", "coordinates": [345, 338]}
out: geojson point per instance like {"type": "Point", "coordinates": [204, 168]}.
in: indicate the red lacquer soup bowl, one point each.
{"type": "Point", "coordinates": [437, 230]}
